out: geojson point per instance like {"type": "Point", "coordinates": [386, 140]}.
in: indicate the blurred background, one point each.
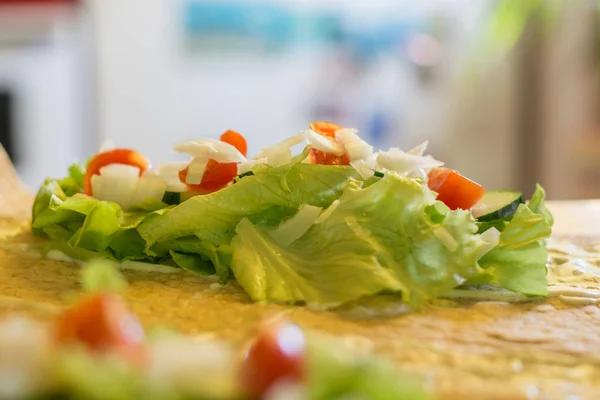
{"type": "Point", "coordinates": [506, 91]}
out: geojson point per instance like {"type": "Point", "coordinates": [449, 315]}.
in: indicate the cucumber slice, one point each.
{"type": "Point", "coordinates": [497, 204]}
{"type": "Point", "coordinates": [172, 198]}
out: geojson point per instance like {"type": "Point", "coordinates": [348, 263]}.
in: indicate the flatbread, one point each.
{"type": "Point", "coordinates": [464, 350]}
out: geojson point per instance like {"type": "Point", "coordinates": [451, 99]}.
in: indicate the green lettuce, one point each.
{"type": "Point", "coordinates": [390, 236]}
{"type": "Point", "coordinates": [334, 372]}
{"type": "Point", "coordinates": [264, 199]}
{"type": "Point", "coordinates": [518, 263]}
{"type": "Point", "coordinates": [307, 233]}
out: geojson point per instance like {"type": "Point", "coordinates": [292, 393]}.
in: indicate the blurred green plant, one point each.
{"type": "Point", "coordinates": [507, 23]}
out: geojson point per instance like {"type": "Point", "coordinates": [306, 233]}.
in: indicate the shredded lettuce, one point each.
{"type": "Point", "coordinates": [381, 238]}
{"type": "Point", "coordinates": [101, 275]}
{"type": "Point", "coordinates": [518, 263]}
{"type": "Point", "coordinates": [307, 233]}
{"type": "Point", "coordinates": [338, 372]}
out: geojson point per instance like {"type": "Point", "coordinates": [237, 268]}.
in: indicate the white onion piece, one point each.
{"type": "Point", "coordinates": [248, 165]}
{"type": "Point", "coordinates": [356, 148]}
{"type": "Point", "coordinates": [280, 153]}
{"type": "Point", "coordinates": [170, 173]}
{"type": "Point", "coordinates": [420, 149]}
{"type": "Point", "coordinates": [363, 168]}
{"type": "Point", "coordinates": [210, 148]}
{"type": "Point", "coordinates": [148, 188]}
{"type": "Point", "coordinates": [25, 355]}
{"type": "Point", "coordinates": [196, 170]}
{"type": "Point", "coordinates": [323, 143]}
{"type": "Point", "coordinates": [396, 160]}
{"type": "Point", "coordinates": [116, 183]}
{"type": "Point", "coordinates": [106, 146]}
{"type": "Point", "coordinates": [327, 212]}
{"type": "Point", "coordinates": [296, 226]}
{"type": "Point", "coordinates": [193, 367]}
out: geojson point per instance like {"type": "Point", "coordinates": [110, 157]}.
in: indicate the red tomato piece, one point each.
{"type": "Point", "coordinates": [324, 128]}
{"type": "Point", "coordinates": [277, 353]}
{"type": "Point", "coordinates": [216, 176]}
{"type": "Point", "coordinates": [116, 156]}
{"type": "Point", "coordinates": [236, 140]}
{"type": "Point", "coordinates": [455, 190]}
{"type": "Point", "coordinates": [102, 322]}
{"type": "Point", "coordinates": [320, 157]}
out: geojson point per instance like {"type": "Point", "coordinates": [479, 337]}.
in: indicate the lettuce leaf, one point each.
{"type": "Point", "coordinates": [391, 236]}
{"type": "Point", "coordinates": [264, 199]}
{"type": "Point", "coordinates": [518, 263]}
{"type": "Point", "coordinates": [336, 373]}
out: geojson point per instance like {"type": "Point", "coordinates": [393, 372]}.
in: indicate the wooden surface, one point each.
{"type": "Point", "coordinates": [489, 350]}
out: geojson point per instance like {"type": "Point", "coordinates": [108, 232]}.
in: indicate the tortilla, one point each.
{"type": "Point", "coordinates": [486, 350]}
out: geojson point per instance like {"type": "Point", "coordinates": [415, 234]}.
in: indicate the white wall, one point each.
{"type": "Point", "coordinates": [45, 74]}
{"type": "Point", "coordinates": [150, 94]}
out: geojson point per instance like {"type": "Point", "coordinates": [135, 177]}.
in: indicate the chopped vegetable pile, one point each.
{"type": "Point", "coordinates": [97, 349]}
{"type": "Point", "coordinates": [335, 223]}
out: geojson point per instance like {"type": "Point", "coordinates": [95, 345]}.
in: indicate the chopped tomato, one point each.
{"type": "Point", "coordinates": [116, 156]}
{"type": "Point", "coordinates": [455, 190]}
{"type": "Point", "coordinates": [218, 175]}
{"type": "Point", "coordinates": [236, 140]}
{"type": "Point", "coordinates": [319, 157]}
{"type": "Point", "coordinates": [102, 322]}
{"type": "Point", "coordinates": [324, 128]}
{"type": "Point", "coordinates": [277, 353]}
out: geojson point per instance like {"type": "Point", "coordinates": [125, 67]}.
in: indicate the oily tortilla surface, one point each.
{"type": "Point", "coordinates": [464, 350]}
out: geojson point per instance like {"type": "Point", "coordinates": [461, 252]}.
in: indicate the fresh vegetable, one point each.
{"type": "Point", "coordinates": [456, 191]}
{"type": "Point", "coordinates": [292, 231]}
{"type": "Point", "coordinates": [389, 236]}
{"type": "Point", "coordinates": [276, 354]}
{"type": "Point", "coordinates": [102, 323]}
{"type": "Point", "coordinates": [497, 204]}
{"type": "Point", "coordinates": [236, 140]}
{"type": "Point", "coordinates": [518, 263]}
{"type": "Point", "coordinates": [328, 130]}
{"type": "Point", "coordinates": [116, 156]}
{"type": "Point", "coordinates": [217, 175]}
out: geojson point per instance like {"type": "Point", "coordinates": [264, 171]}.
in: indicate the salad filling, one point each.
{"type": "Point", "coordinates": [330, 225]}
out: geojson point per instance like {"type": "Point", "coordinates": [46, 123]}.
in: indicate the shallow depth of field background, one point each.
{"type": "Point", "coordinates": [505, 91]}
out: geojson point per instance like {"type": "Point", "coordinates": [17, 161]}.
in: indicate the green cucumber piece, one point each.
{"type": "Point", "coordinates": [497, 204]}
{"type": "Point", "coordinates": [172, 198]}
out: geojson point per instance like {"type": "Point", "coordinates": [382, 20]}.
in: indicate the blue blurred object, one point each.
{"type": "Point", "coordinates": [286, 28]}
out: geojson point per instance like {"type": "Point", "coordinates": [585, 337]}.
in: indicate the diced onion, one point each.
{"type": "Point", "coordinates": [248, 165]}
{"type": "Point", "coordinates": [327, 212]}
{"type": "Point", "coordinates": [293, 228]}
{"type": "Point", "coordinates": [363, 168]}
{"type": "Point", "coordinates": [446, 238]}
{"type": "Point", "coordinates": [206, 149]}
{"type": "Point", "coordinates": [419, 150]}
{"type": "Point", "coordinates": [195, 172]}
{"type": "Point", "coordinates": [396, 160]}
{"type": "Point", "coordinates": [121, 184]}
{"type": "Point", "coordinates": [170, 173]}
{"type": "Point", "coordinates": [356, 148]}
{"type": "Point", "coordinates": [116, 183]}
{"type": "Point", "coordinates": [149, 188]}
{"type": "Point", "coordinates": [25, 355]}
{"type": "Point", "coordinates": [324, 144]}
{"type": "Point", "coordinates": [106, 146]}
{"type": "Point", "coordinates": [281, 152]}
